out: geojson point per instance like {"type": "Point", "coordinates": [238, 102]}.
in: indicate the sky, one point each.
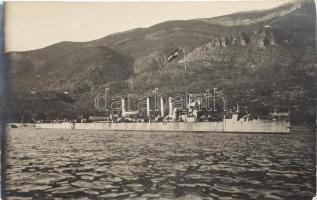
{"type": "Point", "coordinates": [33, 25]}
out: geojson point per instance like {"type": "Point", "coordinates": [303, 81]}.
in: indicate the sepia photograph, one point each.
{"type": "Point", "coordinates": [185, 100]}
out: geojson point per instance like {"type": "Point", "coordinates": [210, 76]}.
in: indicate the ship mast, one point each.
{"type": "Point", "coordinates": [186, 89]}
{"type": "Point", "coordinates": [185, 81]}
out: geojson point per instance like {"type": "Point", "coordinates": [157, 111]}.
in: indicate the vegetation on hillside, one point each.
{"type": "Point", "coordinates": [264, 65]}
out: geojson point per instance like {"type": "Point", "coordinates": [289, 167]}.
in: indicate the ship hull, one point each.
{"type": "Point", "coordinates": [255, 126]}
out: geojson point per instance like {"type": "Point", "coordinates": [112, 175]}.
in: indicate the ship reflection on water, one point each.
{"type": "Point", "coordinates": [49, 163]}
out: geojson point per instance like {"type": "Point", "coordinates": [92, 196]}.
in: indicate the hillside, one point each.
{"type": "Point", "coordinates": [260, 59]}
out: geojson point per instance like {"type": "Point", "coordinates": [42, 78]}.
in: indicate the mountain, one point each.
{"type": "Point", "coordinates": [259, 59]}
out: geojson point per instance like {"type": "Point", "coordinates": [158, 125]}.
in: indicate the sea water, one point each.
{"type": "Point", "coordinates": [81, 164]}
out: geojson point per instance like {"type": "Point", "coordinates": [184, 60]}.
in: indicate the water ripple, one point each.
{"type": "Point", "coordinates": [52, 164]}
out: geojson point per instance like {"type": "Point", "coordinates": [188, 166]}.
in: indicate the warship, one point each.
{"type": "Point", "coordinates": [161, 113]}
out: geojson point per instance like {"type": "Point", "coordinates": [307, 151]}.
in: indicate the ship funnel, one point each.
{"type": "Point", "coordinates": [170, 106]}
{"type": "Point", "coordinates": [123, 105]}
{"type": "Point", "coordinates": [189, 100]}
{"type": "Point", "coordinates": [148, 107]}
{"type": "Point", "coordinates": [162, 107]}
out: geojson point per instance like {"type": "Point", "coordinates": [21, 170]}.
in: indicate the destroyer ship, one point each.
{"type": "Point", "coordinates": [192, 113]}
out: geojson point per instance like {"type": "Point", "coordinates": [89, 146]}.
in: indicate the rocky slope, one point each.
{"type": "Point", "coordinates": [260, 59]}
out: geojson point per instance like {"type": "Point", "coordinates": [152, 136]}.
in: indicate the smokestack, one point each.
{"type": "Point", "coordinates": [129, 102]}
{"type": "Point", "coordinates": [189, 100]}
{"type": "Point", "coordinates": [148, 106]}
{"type": "Point", "coordinates": [162, 107]}
{"type": "Point", "coordinates": [123, 105]}
{"type": "Point", "coordinates": [170, 106]}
